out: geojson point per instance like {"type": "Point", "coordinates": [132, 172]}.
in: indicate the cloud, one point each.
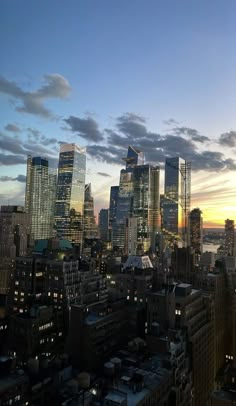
{"type": "Point", "coordinates": [106, 175]}
{"type": "Point", "coordinates": [19, 178]}
{"type": "Point", "coordinates": [12, 128]}
{"type": "Point", "coordinates": [54, 86]}
{"type": "Point", "coordinates": [228, 139]}
{"type": "Point", "coordinates": [191, 133]}
{"type": "Point", "coordinates": [12, 159]}
{"type": "Point", "coordinates": [36, 136]}
{"type": "Point", "coordinates": [19, 150]}
{"type": "Point", "coordinates": [86, 128]}
{"type": "Point", "coordinates": [131, 124]}
{"type": "Point", "coordinates": [170, 121]}
{"type": "Point", "coordinates": [131, 129]}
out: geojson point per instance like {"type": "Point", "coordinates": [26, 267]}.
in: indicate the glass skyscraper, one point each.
{"type": "Point", "coordinates": [146, 204]}
{"type": "Point", "coordinates": [40, 197]}
{"type": "Point", "coordinates": [69, 206]}
{"type": "Point", "coordinates": [138, 197]}
{"type": "Point", "coordinates": [90, 226]}
{"type": "Point", "coordinates": [177, 197]}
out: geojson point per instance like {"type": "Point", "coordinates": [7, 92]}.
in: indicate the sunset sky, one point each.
{"type": "Point", "coordinates": [156, 74]}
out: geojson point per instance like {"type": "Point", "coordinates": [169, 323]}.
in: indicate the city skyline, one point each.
{"type": "Point", "coordinates": [159, 78]}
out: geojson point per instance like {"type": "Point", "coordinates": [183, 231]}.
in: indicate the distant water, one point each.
{"type": "Point", "coordinates": [210, 247]}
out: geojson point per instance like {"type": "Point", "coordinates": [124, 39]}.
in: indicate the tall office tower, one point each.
{"type": "Point", "coordinates": [146, 204]}
{"type": "Point", "coordinates": [139, 197]}
{"type": "Point", "coordinates": [131, 236]}
{"type": "Point", "coordinates": [195, 230]}
{"type": "Point", "coordinates": [70, 193]}
{"type": "Point", "coordinates": [90, 226]}
{"type": "Point", "coordinates": [176, 202]}
{"type": "Point", "coordinates": [103, 224]}
{"type": "Point", "coordinates": [40, 197]}
{"type": "Point", "coordinates": [229, 237]}
{"type": "Point", "coordinates": [14, 241]}
{"type": "Point", "coordinates": [114, 193]}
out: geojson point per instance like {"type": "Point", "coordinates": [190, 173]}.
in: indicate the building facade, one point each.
{"type": "Point", "coordinates": [40, 197]}
{"type": "Point", "coordinates": [176, 200]}
{"type": "Point", "coordinates": [229, 237]}
{"type": "Point", "coordinates": [138, 197]}
{"type": "Point", "coordinates": [90, 226]}
{"type": "Point", "coordinates": [196, 230]}
{"type": "Point", "coordinates": [69, 207]}
{"type": "Point", "coordinates": [103, 224]}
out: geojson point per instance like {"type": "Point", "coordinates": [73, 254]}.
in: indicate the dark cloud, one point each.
{"type": "Point", "coordinates": [11, 144]}
{"type": "Point", "coordinates": [228, 139]}
{"type": "Point", "coordinates": [104, 153]}
{"type": "Point", "coordinates": [132, 130]}
{"type": "Point", "coordinates": [86, 128]}
{"type": "Point", "coordinates": [132, 125]}
{"type": "Point", "coordinates": [106, 175]}
{"type": "Point", "coordinates": [19, 178]}
{"type": "Point", "coordinates": [12, 128]}
{"type": "Point", "coordinates": [191, 133]}
{"type": "Point", "coordinates": [55, 86]}
{"type": "Point", "coordinates": [12, 159]}
{"type": "Point", "coordinates": [20, 149]}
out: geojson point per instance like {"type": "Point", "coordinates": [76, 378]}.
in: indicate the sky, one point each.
{"type": "Point", "coordinates": [156, 74]}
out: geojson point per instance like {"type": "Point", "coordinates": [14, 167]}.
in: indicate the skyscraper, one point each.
{"type": "Point", "coordinates": [139, 197]}
{"type": "Point", "coordinates": [40, 197]}
{"type": "Point", "coordinates": [229, 237]}
{"type": "Point", "coordinates": [90, 226]}
{"type": "Point", "coordinates": [125, 197]}
{"type": "Point", "coordinates": [176, 201]}
{"type": "Point", "coordinates": [103, 224]}
{"type": "Point", "coordinates": [146, 203]}
{"type": "Point", "coordinates": [70, 193]}
{"type": "Point", "coordinates": [114, 193]}
{"type": "Point", "coordinates": [195, 230]}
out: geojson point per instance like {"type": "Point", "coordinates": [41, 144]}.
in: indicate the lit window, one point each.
{"type": "Point", "coordinates": [178, 312]}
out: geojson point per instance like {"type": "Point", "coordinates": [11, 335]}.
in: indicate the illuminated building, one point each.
{"type": "Point", "coordinates": [139, 197]}
{"type": "Point", "coordinates": [40, 197]}
{"type": "Point", "coordinates": [114, 193]}
{"type": "Point", "coordinates": [70, 193]}
{"type": "Point", "coordinates": [195, 230]}
{"type": "Point", "coordinates": [176, 201]}
{"type": "Point", "coordinates": [90, 226]}
{"type": "Point", "coordinates": [229, 237]}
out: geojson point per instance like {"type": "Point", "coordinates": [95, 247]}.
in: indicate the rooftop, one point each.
{"type": "Point", "coordinates": [140, 262]}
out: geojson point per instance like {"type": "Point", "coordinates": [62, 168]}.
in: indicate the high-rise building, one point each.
{"type": "Point", "coordinates": [14, 231]}
{"type": "Point", "coordinates": [70, 193]}
{"type": "Point", "coordinates": [229, 237]}
{"type": "Point", "coordinates": [138, 197]}
{"type": "Point", "coordinates": [14, 241]}
{"type": "Point", "coordinates": [146, 203]}
{"type": "Point", "coordinates": [90, 226]}
{"type": "Point", "coordinates": [114, 193]}
{"type": "Point", "coordinates": [103, 224]}
{"type": "Point", "coordinates": [195, 230]}
{"type": "Point", "coordinates": [177, 198]}
{"type": "Point", "coordinates": [40, 197]}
